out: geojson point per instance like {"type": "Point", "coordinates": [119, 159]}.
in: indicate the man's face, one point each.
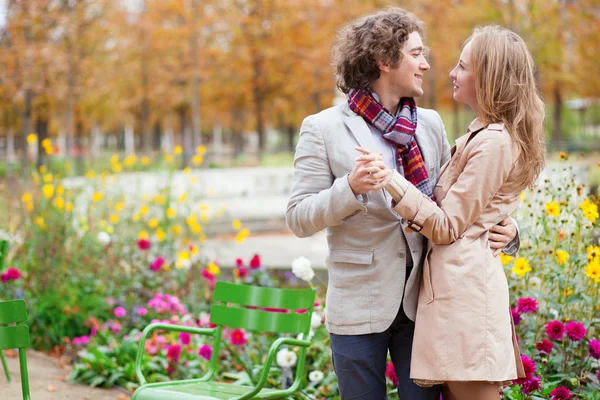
{"type": "Point", "coordinates": [407, 79]}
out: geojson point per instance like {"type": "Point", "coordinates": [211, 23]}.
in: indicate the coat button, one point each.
{"type": "Point", "coordinates": [401, 254]}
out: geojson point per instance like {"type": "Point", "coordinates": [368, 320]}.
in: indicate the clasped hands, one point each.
{"type": "Point", "coordinates": [370, 173]}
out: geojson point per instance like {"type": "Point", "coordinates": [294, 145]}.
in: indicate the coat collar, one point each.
{"type": "Point", "coordinates": [359, 128]}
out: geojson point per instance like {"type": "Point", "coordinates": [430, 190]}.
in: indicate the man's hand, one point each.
{"type": "Point", "coordinates": [369, 173]}
{"type": "Point", "coordinates": [501, 235]}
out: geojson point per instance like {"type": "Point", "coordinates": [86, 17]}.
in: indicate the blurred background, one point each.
{"type": "Point", "coordinates": [101, 77]}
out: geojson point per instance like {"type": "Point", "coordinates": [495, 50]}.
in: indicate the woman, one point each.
{"type": "Point", "coordinates": [464, 335]}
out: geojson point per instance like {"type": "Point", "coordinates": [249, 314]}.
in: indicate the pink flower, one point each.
{"type": "Point", "coordinates": [173, 352]}
{"type": "Point", "coordinates": [238, 337]}
{"type": "Point", "coordinates": [516, 316]}
{"type": "Point", "coordinates": [555, 330]}
{"type": "Point", "coordinates": [255, 262]}
{"type": "Point", "coordinates": [207, 275]}
{"type": "Point", "coordinates": [527, 305]}
{"type": "Point", "coordinates": [81, 340]}
{"type": "Point", "coordinates": [560, 393]}
{"type": "Point", "coordinates": [185, 338]}
{"type": "Point", "coordinates": [390, 373]}
{"type": "Point", "coordinates": [531, 385]}
{"type": "Point", "coordinates": [544, 346]}
{"type": "Point", "coordinates": [205, 351]}
{"type": "Point", "coordinates": [241, 272]}
{"type": "Point", "coordinates": [11, 274]}
{"type": "Point", "coordinates": [598, 375]}
{"type": "Point", "coordinates": [142, 311]}
{"type": "Point", "coordinates": [151, 349]}
{"type": "Point", "coordinates": [4, 277]}
{"type": "Point", "coordinates": [143, 244]}
{"type": "Point", "coordinates": [595, 349]}
{"type": "Point", "coordinates": [115, 327]}
{"type": "Point", "coordinates": [575, 331]}
{"type": "Point", "coordinates": [157, 264]}
{"type": "Point", "coordinates": [529, 367]}
{"type": "Point", "coordinates": [119, 312]}
{"type": "Point", "coordinates": [239, 262]}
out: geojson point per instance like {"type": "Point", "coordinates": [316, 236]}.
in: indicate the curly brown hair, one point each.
{"type": "Point", "coordinates": [374, 38]}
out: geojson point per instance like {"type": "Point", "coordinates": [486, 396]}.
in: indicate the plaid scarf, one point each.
{"type": "Point", "coordinates": [399, 131]}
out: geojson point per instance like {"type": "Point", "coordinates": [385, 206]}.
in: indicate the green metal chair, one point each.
{"type": "Point", "coordinates": [3, 253]}
{"type": "Point", "coordinates": [238, 306]}
{"type": "Point", "coordinates": [14, 334]}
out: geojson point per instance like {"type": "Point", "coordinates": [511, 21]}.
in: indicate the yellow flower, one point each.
{"type": "Point", "coordinates": [144, 209]}
{"type": "Point", "coordinates": [90, 175]}
{"type": "Point", "coordinates": [69, 207]}
{"type": "Point", "coordinates": [193, 179]}
{"type": "Point", "coordinates": [47, 178]}
{"type": "Point", "coordinates": [183, 260]}
{"type": "Point", "coordinates": [160, 235]}
{"type": "Point", "coordinates": [59, 203]}
{"type": "Point", "coordinates": [553, 209]}
{"type": "Point", "coordinates": [187, 170]}
{"type": "Point", "coordinates": [159, 200]}
{"type": "Point", "coordinates": [237, 224]}
{"type": "Point", "coordinates": [213, 268]}
{"type": "Point", "coordinates": [563, 156]}
{"type": "Point", "coordinates": [590, 210]}
{"type": "Point", "coordinates": [48, 190]}
{"type": "Point", "coordinates": [114, 159]}
{"type": "Point", "coordinates": [194, 250]}
{"type": "Point", "coordinates": [196, 229]}
{"type": "Point", "coordinates": [130, 160]}
{"type": "Point", "coordinates": [197, 159]}
{"type": "Point", "coordinates": [43, 169]}
{"type": "Point", "coordinates": [143, 235]}
{"type": "Point", "coordinates": [114, 219]}
{"type": "Point", "coordinates": [97, 197]}
{"type": "Point", "coordinates": [593, 271]}
{"type": "Point", "coordinates": [242, 235]}
{"type": "Point", "coordinates": [522, 197]}
{"type": "Point", "coordinates": [60, 190]}
{"type": "Point", "coordinates": [177, 150]}
{"type": "Point", "coordinates": [171, 213]}
{"type": "Point", "coordinates": [46, 143]}
{"type": "Point", "coordinates": [26, 198]}
{"type": "Point", "coordinates": [31, 138]}
{"type": "Point", "coordinates": [567, 292]}
{"type": "Point", "coordinates": [201, 149]}
{"type": "Point", "coordinates": [521, 267]}
{"type": "Point", "coordinates": [40, 222]}
{"type": "Point", "coordinates": [204, 217]}
{"type": "Point", "coordinates": [49, 150]}
{"type": "Point", "coordinates": [153, 222]}
{"type": "Point", "coordinates": [593, 253]}
{"type": "Point", "coordinates": [167, 267]}
{"type": "Point", "coordinates": [116, 168]}
{"type": "Point", "coordinates": [119, 206]}
{"type": "Point", "coordinates": [29, 206]}
{"type": "Point", "coordinates": [505, 258]}
{"type": "Point", "coordinates": [562, 256]}
{"type": "Point", "coordinates": [145, 160]}
{"type": "Point", "coordinates": [182, 198]}
{"type": "Point", "coordinates": [168, 158]}
{"type": "Point", "coordinates": [176, 230]}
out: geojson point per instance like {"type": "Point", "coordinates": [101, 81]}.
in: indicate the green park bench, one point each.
{"type": "Point", "coordinates": [238, 306]}
{"type": "Point", "coordinates": [14, 334]}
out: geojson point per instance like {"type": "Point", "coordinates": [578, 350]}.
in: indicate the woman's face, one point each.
{"type": "Point", "coordinates": [463, 79]}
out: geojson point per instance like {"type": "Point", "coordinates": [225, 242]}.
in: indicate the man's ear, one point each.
{"type": "Point", "coordinates": [383, 67]}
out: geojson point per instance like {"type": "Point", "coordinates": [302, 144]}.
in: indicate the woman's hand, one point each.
{"type": "Point", "coordinates": [379, 175]}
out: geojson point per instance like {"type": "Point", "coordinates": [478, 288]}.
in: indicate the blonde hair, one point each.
{"type": "Point", "coordinates": [506, 92]}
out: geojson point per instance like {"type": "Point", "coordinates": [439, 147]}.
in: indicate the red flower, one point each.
{"type": "Point", "coordinates": [205, 351]}
{"type": "Point", "coordinates": [241, 272]}
{"type": "Point", "coordinates": [531, 385]}
{"type": "Point", "coordinates": [390, 373]}
{"type": "Point", "coordinates": [157, 264]}
{"type": "Point", "coordinates": [595, 349]}
{"type": "Point", "coordinates": [255, 262]}
{"type": "Point", "coordinates": [575, 331]}
{"type": "Point", "coordinates": [173, 352]}
{"type": "Point", "coordinates": [11, 274]}
{"type": "Point", "coordinates": [560, 393]}
{"type": "Point", "coordinates": [529, 367]}
{"type": "Point", "coordinates": [238, 337]}
{"type": "Point", "coordinates": [516, 315]}
{"type": "Point", "coordinates": [527, 305]}
{"type": "Point", "coordinates": [545, 346]}
{"type": "Point", "coordinates": [185, 338]}
{"type": "Point", "coordinates": [207, 275]}
{"type": "Point", "coordinates": [239, 262]}
{"type": "Point", "coordinates": [555, 330]}
{"type": "Point", "coordinates": [143, 244]}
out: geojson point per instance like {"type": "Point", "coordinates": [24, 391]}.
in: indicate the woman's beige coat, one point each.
{"type": "Point", "coordinates": [464, 330]}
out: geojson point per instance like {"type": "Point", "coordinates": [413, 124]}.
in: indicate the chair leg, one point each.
{"type": "Point", "coordinates": [4, 365]}
{"type": "Point", "coordinates": [24, 375]}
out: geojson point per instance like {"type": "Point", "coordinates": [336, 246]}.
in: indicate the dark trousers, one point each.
{"type": "Point", "coordinates": [360, 361]}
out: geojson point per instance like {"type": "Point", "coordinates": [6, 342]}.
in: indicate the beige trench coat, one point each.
{"type": "Point", "coordinates": [464, 330]}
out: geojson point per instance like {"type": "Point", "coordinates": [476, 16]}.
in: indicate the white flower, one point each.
{"type": "Point", "coordinates": [316, 320]}
{"type": "Point", "coordinates": [316, 376]}
{"type": "Point", "coordinates": [535, 282]}
{"type": "Point", "coordinates": [302, 269]}
{"type": "Point", "coordinates": [4, 235]}
{"type": "Point", "coordinates": [103, 238]}
{"type": "Point", "coordinates": [286, 358]}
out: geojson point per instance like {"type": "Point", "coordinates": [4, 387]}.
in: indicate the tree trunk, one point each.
{"type": "Point", "coordinates": [79, 156]}
{"type": "Point", "coordinates": [195, 81]}
{"type": "Point", "coordinates": [41, 128]}
{"type": "Point", "coordinates": [70, 100]}
{"type": "Point", "coordinates": [258, 104]}
{"type": "Point", "coordinates": [25, 127]}
{"type": "Point", "coordinates": [156, 137]}
{"type": "Point", "coordinates": [456, 119]}
{"type": "Point", "coordinates": [557, 131]}
{"type": "Point", "coordinates": [291, 133]}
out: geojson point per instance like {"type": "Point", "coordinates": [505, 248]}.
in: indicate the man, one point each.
{"type": "Point", "coordinates": [374, 261]}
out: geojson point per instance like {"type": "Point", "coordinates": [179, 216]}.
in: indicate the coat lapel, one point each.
{"type": "Point", "coordinates": [359, 128]}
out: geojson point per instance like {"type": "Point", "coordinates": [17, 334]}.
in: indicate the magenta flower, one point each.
{"type": "Point", "coordinates": [255, 262]}
{"type": "Point", "coordinates": [81, 340]}
{"type": "Point", "coordinates": [529, 367]}
{"type": "Point", "coordinates": [595, 349]}
{"type": "Point", "coordinates": [173, 352]}
{"type": "Point", "coordinates": [142, 311]}
{"type": "Point", "coordinates": [560, 393]}
{"type": "Point", "coordinates": [115, 328]}
{"type": "Point", "coordinates": [527, 305]}
{"type": "Point", "coordinates": [205, 351]}
{"type": "Point", "coordinates": [143, 244]}
{"type": "Point", "coordinates": [544, 346]}
{"type": "Point", "coordinates": [238, 337]}
{"type": "Point", "coordinates": [555, 330]}
{"type": "Point", "coordinates": [239, 262]}
{"type": "Point", "coordinates": [11, 274]}
{"type": "Point", "coordinates": [531, 385]}
{"type": "Point", "coordinates": [516, 316]}
{"type": "Point", "coordinates": [119, 312]}
{"type": "Point", "coordinates": [241, 272]}
{"type": "Point", "coordinates": [207, 275]}
{"type": "Point", "coordinates": [390, 373]}
{"type": "Point", "coordinates": [185, 338]}
{"type": "Point", "coordinates": [157, 264]}
{"type": "Point", "coordinates": [575, 331]}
